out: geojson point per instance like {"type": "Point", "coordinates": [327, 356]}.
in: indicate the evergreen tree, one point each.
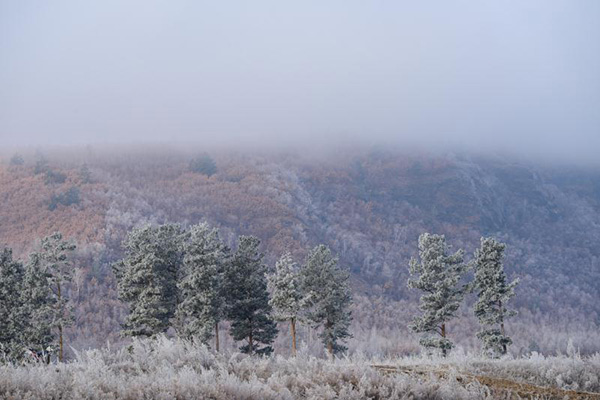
{"type": "Point", "coordinates": [12, 317]}
{"type": "Point", "coordinates": [17, 159]}
{"type": "Point", "coordinates": [248, 300]}
{"type": "Point", "coordinates": [493, 294]}
{"type": "Point", "coordinates": [147, 278]}
{"type": "Point", "coordinates": [328, 296]}
{"type": "Point", "coordinates": [85, 176]}
{"type": "Point", "coordinates": [53, 257]}
{"type": "Point", "coordinates": [287, 297]}
{"type": "Point", "coordinates": [439, 276]}
{"type": "Point", "coordinates": [40, 305]}
{"type": "Point", "coordinates": [201, 306]}
{"type": "Point", "coordinates": [203, 164]}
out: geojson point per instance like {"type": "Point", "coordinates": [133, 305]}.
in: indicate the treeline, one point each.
{"type": "Point", "coordinates": [441, 276]}
{"type": "Point", "coordinates": [188, 280]}
{"type": "Point", "coordinates": [33, 307]}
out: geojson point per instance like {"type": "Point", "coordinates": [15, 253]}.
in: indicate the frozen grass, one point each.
{"type": "Point", "coordinates": [175, 369]}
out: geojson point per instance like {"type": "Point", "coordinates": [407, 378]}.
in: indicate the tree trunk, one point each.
{"type": "Point", "coordinates": [60, 328]}
{"type": "Point", "coordinates": [250, 348]}
{"type": "Point", "coordinates": [444, 336]}
{"type": "Point", "coordinates": [329, 341]}
{"type": "Point", "coordinates": [217, 337]}
{"type": "Point", "coordinates": [502, 325]}
{"type": "Point", "coordinates": [293, 327]}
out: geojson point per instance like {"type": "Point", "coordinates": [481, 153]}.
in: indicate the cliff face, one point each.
{"type": "Point", "coordinates": [369, 207]}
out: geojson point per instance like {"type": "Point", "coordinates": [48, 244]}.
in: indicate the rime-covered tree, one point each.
{"type": "Point", "coordinates": [201, 305]}
{"type": "Point", "coordinates": [248, 307]}
{"type": "Point", "coordinates": [40, 305]}
{"type": "Point", "coordinates": [328, 297]}
{"type": "Point", "coordinates": [147, 278]}
{"type": "Point", "coordinates": [493, 293]}
{"type": "Point", "coordinates": [438, 274]}
{"type": "Point", "coordinates": [203, 164]}
{"type": "Point", "coordinates": [53, 257]}
{"type": "Point", "coordinates": [12, 311]}
{"type": "Point", "coordinates": [287, 298]}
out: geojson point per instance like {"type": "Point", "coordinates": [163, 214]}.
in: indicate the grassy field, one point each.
{"type": "Point", "coordinates": [172, 369]}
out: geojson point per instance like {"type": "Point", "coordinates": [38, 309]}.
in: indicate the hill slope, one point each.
{"type": "Point", "coordinates": [369, 207]}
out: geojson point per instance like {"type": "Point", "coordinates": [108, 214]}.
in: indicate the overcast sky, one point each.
{"type": "Point", "coordinates": [521, 75]}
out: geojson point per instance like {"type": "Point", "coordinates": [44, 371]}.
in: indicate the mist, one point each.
{"type": "Point", "coordinates": [511, 76]}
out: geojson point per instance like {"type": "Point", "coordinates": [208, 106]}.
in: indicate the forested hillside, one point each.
{"type": "Point", "coordinates": [368, 206]}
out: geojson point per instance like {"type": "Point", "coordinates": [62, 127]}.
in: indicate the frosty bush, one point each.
{"type": "Point", "coordinates": [167, 369]}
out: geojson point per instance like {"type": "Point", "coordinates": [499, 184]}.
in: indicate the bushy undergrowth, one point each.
{"type": "Point", "coordinates": [167, 369]}
{"type": "Point", "coordinates": [568, 372]}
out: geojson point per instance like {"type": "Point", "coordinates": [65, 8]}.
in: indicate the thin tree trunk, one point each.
{"type": "Point", "coordinates": [250, 344]}
{"type": "Point", "coordinates": [444, 336]}
{"type": "Point", "coordinates": [217, 337]}
{"type": "Point", "coordinates": [502, 325]}
{"type": "Point", "coordinates": [60, 328]}
{"type": "Point", "coordinates": [293, 326]}
{"type": "Point", "coordinates": [329, 342]}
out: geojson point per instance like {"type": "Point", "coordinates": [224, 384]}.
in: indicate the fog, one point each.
{"type": "Point", "coordinates": [516, 76]}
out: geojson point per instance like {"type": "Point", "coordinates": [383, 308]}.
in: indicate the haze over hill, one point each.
{"type": "Point", "coordinates": [368, 206]}
{"type": "Point", "coordinates": [518, 77]}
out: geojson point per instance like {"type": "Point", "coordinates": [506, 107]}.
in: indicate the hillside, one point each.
{"type": "Point", "coordinates": [369, 206]}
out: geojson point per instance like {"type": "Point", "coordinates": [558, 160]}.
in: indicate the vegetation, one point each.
{"type": "Point", "coordinates": [182, 369]}
{"type": "Point", "coordinates": [287, 296]}
{"type": "Point", "coordinates": [68, 198]}
{"type": "Point", "coordinates": [439, 275]}
{"type": "Point", "coordinates": [203, 164]}
{"type": "Point", "coordinates": [369, 217]}
{"type": "Point", "coordinates": [493, 294]}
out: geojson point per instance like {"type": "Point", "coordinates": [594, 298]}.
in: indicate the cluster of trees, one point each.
{"type": "Point", "coordinates": [33, 307]}
{"type": "Point", "coordinates": [190, 281]}
{"type": "Point", "coordinates": [441, 276]}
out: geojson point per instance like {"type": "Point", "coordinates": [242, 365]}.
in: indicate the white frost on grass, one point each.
{"type": "Point", "coordinates": [177, 369]}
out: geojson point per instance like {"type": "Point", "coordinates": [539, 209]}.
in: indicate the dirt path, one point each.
{"type": "Point", "coordinates": [501, 388]}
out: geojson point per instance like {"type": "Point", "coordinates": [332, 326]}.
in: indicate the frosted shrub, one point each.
{"type": "Point", "coordinates": [177, 369]}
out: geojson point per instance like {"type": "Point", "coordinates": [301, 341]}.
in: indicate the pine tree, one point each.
{"type": "Point", "coordinates": [40, 305]}
{"type": "Point", "coordinates": [439, 276]}
{"type": "Point", "coordinates": [54, 260]}
{"type": "Point", "coordinates": [201, 306]}
{"type": "Point", "coordinates": [147, 278]}
{"type": "Point", "coordinates": [287, 297]}
{"type": "Point", "coordinates": [493, 294]}
{"type": "Point", "coordinates": [248, 306]}
{"type": "Point", "coordinates": [328, 296]}
{"type": "Point", "coordinates": [12, 317]}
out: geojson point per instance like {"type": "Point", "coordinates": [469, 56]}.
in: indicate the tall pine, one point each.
{"type": "Point", "coordinates": [147, 278]}
{"type": "Point", "coordinates": [40, 305]}
{"type": "Point", "coordinates": [13, 319]}
{"type": "Point", "coordinates": [287, 298]}
{"type": "Point", "coordinates": [53, 256]}
{"type": "Point", "coordinates": [201, 305]}
{"type": "Point", "coordinates": [248, 307]}
{"type": "Point", "coordinates": [328, 297]}
{"type": "Point", "coordinates": [438, 275]}
{"type": "Point", "coordinates": [493, 294]}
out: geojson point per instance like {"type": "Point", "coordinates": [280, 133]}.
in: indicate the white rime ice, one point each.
{"type": "Point", "coordinates": [493, 294]}
{"type": "Point", "coordinates": [438, 275]}
{"type": "Point", "coordinates": [54, 261]}
{"type": "Point", "coordinates": [287, 297]}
